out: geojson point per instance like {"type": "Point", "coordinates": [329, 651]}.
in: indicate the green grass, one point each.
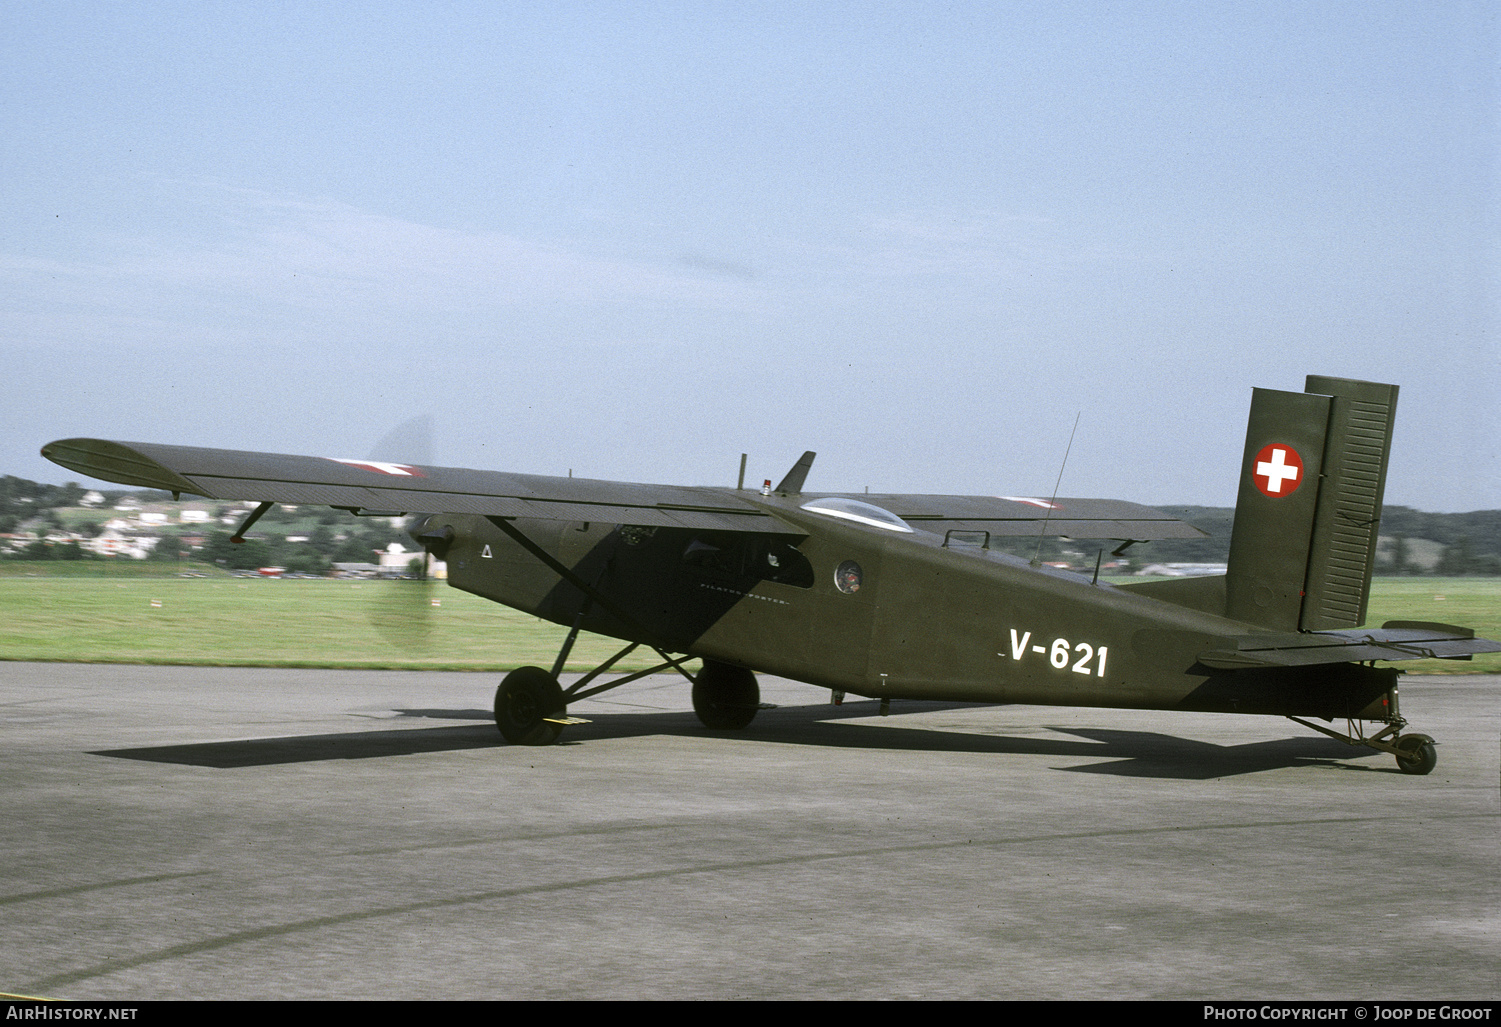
{"type": "Point", "coordinates": [278, 623]}
{"type": "Point", "coordinates": [62, 613]}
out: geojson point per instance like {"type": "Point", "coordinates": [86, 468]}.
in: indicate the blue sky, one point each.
{"type": "Point", "coordinates": [636, 240]}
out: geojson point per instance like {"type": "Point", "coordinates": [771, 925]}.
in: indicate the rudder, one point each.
{"type": "Point", "coordinates": [1345, 528]}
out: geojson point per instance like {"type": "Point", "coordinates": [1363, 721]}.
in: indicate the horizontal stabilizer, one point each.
{"type": "Point", "coordinates": [1395, 640]}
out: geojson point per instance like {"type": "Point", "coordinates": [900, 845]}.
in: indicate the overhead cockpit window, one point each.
{"type": "Point", "coordinates": [861, 513]}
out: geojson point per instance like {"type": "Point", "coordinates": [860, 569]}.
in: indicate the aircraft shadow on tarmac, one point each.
{"type": "Point", "coordinates": [1125, 753]}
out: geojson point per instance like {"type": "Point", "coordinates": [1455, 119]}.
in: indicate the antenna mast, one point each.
{"type": "Point", "coordinates": [1037, 556]}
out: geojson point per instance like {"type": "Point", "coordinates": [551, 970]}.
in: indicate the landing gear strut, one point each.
{"type": "Point", "coordinates": [531, 708]}
{"type": "Point", "coordinates": [1415, 753]}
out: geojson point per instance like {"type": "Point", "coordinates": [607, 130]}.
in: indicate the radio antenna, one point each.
{"type": "Point", "coordinates": [1037, 556]}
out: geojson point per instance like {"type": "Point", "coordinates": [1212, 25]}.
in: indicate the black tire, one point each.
{"type": "Point", "coordinates": [524, 697]}
{"type": "Point", "coordinates": [725, 697]}
{"type": "Point", "coordinates": [1421, 755]}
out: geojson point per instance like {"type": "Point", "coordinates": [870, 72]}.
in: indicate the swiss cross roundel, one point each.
{"type": "Point", "coordinates": [1278, 470]}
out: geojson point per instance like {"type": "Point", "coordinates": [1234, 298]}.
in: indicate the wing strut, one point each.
{"type": "Point", "coordinates": [255, 515]}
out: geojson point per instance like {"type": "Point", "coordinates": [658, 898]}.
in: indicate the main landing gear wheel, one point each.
{"type": "Point", "coordinates": [524, 698]}
{"type": "Point", "coordinates": [725, 697]}
{"type": "Point", "coordinates": [1417, 754]}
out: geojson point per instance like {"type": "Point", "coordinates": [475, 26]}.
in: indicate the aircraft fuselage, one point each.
{"type": "Point", "coordinates": [925, 620]}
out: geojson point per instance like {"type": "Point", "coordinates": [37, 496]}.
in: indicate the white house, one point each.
{"type": "Point", "coordinates": [396, 557]}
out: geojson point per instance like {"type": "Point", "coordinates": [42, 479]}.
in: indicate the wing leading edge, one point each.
{"type": "Point", "coordinates": [361, 485]}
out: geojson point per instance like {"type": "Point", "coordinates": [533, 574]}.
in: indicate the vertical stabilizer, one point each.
{"type": "Point", "coordinates": [1274, 510]}
{"type": "Point", "coordinates": [1309, 505]}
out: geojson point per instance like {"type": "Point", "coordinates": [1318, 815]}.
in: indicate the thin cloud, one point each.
{"type": "Point", "coordinates": [343, 261]}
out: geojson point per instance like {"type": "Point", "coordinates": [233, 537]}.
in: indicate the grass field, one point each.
{"type": "Point", "coordinates": [276, 623]}
{"type": "Point", "coordinates": [127, 616]}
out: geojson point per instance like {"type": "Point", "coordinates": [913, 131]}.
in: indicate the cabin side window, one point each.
{"type": "Point", "coordinates": [747, 559]}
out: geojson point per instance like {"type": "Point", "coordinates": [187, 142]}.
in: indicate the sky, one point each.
{"type": "Point", "coordinates": [632, 241]}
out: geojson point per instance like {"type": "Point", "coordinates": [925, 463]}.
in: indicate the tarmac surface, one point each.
{"type": "Point", "coordinates": [188, 832]}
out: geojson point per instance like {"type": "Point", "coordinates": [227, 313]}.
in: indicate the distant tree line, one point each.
{"type": "Point", "coordinates": [1470, 542]}
{"type": "Point", "coordinates": [1413, 543]}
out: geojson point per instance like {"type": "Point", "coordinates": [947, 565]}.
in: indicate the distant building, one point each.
{"type": "Point", "coordinates": [395, 561]}
{"type": "Point", "coordinates": [111, 542]}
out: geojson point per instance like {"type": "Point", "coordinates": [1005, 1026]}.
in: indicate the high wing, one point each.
{"type": "Point", "coordinates": [1394, 640]}
{"type": "Point", "coordinates": [374, 486]}
{"type": "Point", "coordinates": [370, 486]}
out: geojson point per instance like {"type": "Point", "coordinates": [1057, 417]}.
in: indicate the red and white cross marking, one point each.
{"type": "Point", "coordinates": [1279, 470]}
{"type": "Point", "coordinates": [382, 467]}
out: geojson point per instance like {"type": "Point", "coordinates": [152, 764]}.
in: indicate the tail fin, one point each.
{"type": "Point", "coordinates": [1309, 507]}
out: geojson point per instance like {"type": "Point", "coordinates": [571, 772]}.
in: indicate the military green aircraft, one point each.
{"type": "Point", "coordinates": [903, 597]}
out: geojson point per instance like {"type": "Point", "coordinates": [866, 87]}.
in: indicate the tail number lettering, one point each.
{"type": "Point", "coordinates": [1060, 652]}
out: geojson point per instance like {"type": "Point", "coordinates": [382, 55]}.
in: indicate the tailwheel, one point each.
{"type": "Point", "coordinates": [725, 697]}
{"type": "Point", "coordinates": [1416, 754]}
{"type": "Point", "coordinates": [529, 707]}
